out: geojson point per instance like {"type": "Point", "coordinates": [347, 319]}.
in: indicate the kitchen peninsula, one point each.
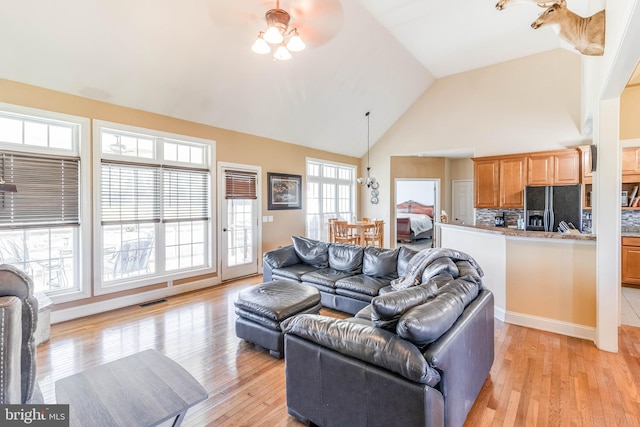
{"type": "Point", "coordinates": [541, 280]}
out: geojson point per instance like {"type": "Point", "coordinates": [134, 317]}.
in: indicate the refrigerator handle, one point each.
{"type": "Point", "coordinates": [545, 216]}
{"type": "Point", "coordinates": [552, 218]}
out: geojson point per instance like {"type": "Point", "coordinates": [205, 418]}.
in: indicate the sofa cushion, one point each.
{"type": "Point", "coordinates": [325, 277]}
{"type": "Point", "coordinates": [282, 257]}
{"type": "Point", "coordinates": [363, 284]}
{"type": "Point", "coordinates": [382, 263]}
{"type": "Point", "coordinates": [367, 343]}
{"type": "Point", "coordinates": [388, 308]}
{"type": "Point", "coordinates": [345, 257]}
{"type": "Point", "coordinates": [425, 323]}
{"type": "Point", "coordinates": [312, 252]}
{"type": "Point", "coordinates": [292, 272]}
{"type": "Point", "coordinates": [354, 295]}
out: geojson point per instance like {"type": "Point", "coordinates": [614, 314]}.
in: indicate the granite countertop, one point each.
{"type": "Point", "coordinates": [630, 233]}
{"type": "Point", "coordinates": [506, 231]}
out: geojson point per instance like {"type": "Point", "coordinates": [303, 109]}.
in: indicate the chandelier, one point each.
{"type": "Point", "coordinates": [278, 34]}
{"type": "Point", "coordinates": [369, 181]}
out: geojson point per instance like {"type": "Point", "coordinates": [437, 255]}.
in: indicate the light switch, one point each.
{"type": "Point", "coordinates": [270, 218]}
{"type": "Point", "coordinates": [265, 219]}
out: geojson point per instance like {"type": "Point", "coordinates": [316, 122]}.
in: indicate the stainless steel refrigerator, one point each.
{"type": "Point", "coordinates": [546, 206]}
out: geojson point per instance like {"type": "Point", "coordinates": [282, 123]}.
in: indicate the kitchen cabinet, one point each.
{"type": "Point", "coordinates": [513, 178]}
{"type": "Point", "coordinates": [631, 261]}
{"type": "Point", "coordinates": [499, 181]}
{"type": "Point", "coordinates": [585, 155]}
{"type": "Point", "coordinates": [555, 168]}
{"type": "Point", "coordinates": [486, 183]}
{"type": "Point", "coordinates": [631, 161]}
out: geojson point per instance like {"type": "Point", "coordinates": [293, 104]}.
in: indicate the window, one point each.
{"type": "Point", "coordinates": [330, 194]}
{"type": "Point", "coordinates": [154, 213]}
{"type": "Point", "coordinates": [41, 227]}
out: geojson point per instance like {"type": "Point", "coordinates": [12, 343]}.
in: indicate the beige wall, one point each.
{"type": "Point", "coordinates": [566, 292]}
{"type": "Point", "coordinates": [233, 147]}
{"type": "Point", "coordinates": [630, 113]}
{"type": "Point", "coordinates": [524, 105]}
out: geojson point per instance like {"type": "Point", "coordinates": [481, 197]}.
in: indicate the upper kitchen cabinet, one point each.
{"type": "Point", "coordinates": [631, 161]}
{"type": "Point", "coordinates": [513, 178]}
{"type": "Point", "coordinates": [585, 155]}
{"type": "Point", "coordinates": [554, 168]}
{"type": "Point", "coordinates": [486, 182]}
{"type": "Point", "coordinates": [499, 181]}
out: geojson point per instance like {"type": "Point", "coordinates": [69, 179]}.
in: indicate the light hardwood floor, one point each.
{"type": "Point", "coordinates": [538, 378]}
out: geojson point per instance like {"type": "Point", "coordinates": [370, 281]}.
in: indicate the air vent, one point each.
{"type": "Point", "coordinates": [147, 304]}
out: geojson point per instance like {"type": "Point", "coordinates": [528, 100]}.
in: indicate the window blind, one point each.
{"type": "Point", "coordinates": [130, 194]}
{"type": "Point", "coordinates": [185, 195]}
{"type": "Point", "coordinates": [240, 184]}
{"type": "Point", "coordinates": [48, 191]}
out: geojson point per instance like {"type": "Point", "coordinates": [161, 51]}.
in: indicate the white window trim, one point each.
{"type": "Point", "coordinates": [83, 147]}
{"type": "Point", "coordinates": [133, 283]}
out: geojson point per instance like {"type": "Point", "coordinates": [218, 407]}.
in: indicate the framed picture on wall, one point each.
{"type": "Point", "coordinates": [285, 191]}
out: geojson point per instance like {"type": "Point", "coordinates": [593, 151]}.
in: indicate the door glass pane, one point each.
{"type": "Point", "coordinates": [239, 232]}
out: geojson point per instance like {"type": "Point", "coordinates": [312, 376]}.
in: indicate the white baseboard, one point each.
{"type": "Point", "coordinates": [550, 325]}
{"type": "Point", "coordinates": [126, 301]}
{"type": "Point", "coordinates": [499, 313]}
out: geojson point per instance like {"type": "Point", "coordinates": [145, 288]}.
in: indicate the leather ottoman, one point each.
{"type": "Point", "coordinates": [261, 308]}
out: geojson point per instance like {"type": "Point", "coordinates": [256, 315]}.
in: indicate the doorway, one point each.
{"type": "Point", "coordinates": [239, 212]}
{"type": "Point", "coordinates": [417, 202]}
{"type": "Point", "coordinates": [462, 211]}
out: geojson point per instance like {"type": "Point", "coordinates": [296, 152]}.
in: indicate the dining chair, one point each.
{"type": "Point", "coordinates": [376, 235]}
{"type": "Point", "coordinates": [330, 229]}
{"type": "Point", "coordinates": [342, 233]}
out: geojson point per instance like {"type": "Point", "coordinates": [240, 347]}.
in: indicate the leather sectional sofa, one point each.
{"type": "Point", "coordinates": [347, 276]}
{"type": "Point", "coordinates": [417, 354]}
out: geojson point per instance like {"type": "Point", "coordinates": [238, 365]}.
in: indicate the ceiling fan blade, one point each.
{"type": "Point", "coordinates": [318, 21]}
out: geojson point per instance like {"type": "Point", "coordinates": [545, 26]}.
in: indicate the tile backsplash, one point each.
{"type": "Point", "coordinates": [630, 221]}
{"type": "Point", "coordinates": [486, 217]}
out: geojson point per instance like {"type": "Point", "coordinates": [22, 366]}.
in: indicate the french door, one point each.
{"type": "Point", "coordinates": [239, 224]}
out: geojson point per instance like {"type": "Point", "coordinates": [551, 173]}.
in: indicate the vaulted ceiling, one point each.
{"type": "Point", "coordinates": [192, 59]}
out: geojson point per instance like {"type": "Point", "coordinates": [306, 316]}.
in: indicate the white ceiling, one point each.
{"type": "Point", "coordinates": [191, 59]}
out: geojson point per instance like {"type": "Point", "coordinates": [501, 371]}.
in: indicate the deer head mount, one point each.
{"type": "Point", "coordinates": [586, 35]}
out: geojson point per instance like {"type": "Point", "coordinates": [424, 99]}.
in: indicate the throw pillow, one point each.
{"type": "Point", "coordinates": [311, 252]}
{"type": "Point", "coordinates": [381, 263]}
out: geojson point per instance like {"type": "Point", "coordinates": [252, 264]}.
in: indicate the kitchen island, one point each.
{"type": "Point", "coordinates": [539, 279]}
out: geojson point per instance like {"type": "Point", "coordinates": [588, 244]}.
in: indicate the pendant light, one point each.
{"type": "Point", "coordinates": [369, 181]}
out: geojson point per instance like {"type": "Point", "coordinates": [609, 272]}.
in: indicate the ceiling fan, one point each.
{"type": "Point", "coordinates": [317, 21]}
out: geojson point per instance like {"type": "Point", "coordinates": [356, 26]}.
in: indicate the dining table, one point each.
{"type": "Point", "coordinates": [360, 228]}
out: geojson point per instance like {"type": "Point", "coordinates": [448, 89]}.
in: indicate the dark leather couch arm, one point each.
{"type": "Point", "coordinates": [465, 355]}
{"type": "Point", "coordinates": [367, 343]}
{"type": "Point", "coordinates": [278, 258]}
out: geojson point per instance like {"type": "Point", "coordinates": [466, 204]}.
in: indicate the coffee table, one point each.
{"type": "Point", "coordinates": [144, 389]}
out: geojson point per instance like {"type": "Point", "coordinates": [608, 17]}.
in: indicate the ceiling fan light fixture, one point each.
{"type": "Point", "coordinates": [295, 44]}
{"type": "Point", "coordinates": [260, 46]}
{"type": "Point", "coordinates": [278, 33]}
{"type": "Point", "coordinates": [282, 53]}
{"type": "Point", "coordinates": [273, 35]}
